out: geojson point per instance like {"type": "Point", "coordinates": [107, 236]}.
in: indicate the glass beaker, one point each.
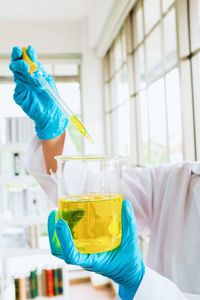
{"type": "Point", "coordinates": [90, 200]}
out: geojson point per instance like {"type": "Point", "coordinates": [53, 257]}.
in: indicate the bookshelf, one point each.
{"type": "Point", "coordinates": [29, 215]}
{"type": "Point", "coordinates": [27, 220]}
{"type": "Point", "coordinates": [15, 252]}
{"type": "Point", "coordinates": [23, 213]}
{"type": "Point", "coordinates": [39, 283]}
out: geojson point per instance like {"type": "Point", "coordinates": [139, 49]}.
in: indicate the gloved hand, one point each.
{"type": "Point", "coordinates": [124, 265]}
{"type": "Point", "coordinates": [50, 121]}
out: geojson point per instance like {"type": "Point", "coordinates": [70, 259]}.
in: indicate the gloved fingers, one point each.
{"type": "Point", "coordinates": [129, 229]}
{"type": "Point", "coordinates": [53, 239]}
{"type": "Point", "coordinates": [16, 53]}
{"type": "Point", "coordinates": [32, 53]}
{"type": "Point", "coordinates": [19, 66]}
{"type": "Point", "coordinates": [70, 253]}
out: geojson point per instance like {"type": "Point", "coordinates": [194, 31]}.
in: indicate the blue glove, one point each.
{"type": "Point", "coordinates": [124, 265]}
{"type": "Point", "coordinates": [50, 121]}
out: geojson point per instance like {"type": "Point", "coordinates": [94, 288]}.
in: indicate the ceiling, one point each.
{"type": "Point", "coordinates": [44, 10]}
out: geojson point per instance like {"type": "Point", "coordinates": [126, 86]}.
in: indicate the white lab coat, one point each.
{"type": "Point", "coordinates": [166, 201]}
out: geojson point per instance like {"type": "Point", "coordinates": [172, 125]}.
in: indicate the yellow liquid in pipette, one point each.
{"type": "Point", "coordinates": [74, 120]}
{"type": "Point", "coordinates": [80, 127]}
{"type": "Point", "coordinates": [94, 220]}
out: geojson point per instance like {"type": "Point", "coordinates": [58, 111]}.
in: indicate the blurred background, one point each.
{"type": "Point", "coordinates": [130, 70]}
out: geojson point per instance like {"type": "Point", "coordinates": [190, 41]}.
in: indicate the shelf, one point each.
{"type": "Point", "coordinates": [53, 297]}
{"type": "Point", "coordinates": [13, 252]}
{"type": "Point", "coordinates": [14, 147]}
{"type": "Point", "coordinates": [80, 274]}
{"type": "Point", "coordinates": [24, 220]}
{"type": "Point", "coordinates": [17, 178]}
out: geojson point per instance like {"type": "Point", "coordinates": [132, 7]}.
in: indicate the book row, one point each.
{"type": "Point", "coordinates": [47, 283]}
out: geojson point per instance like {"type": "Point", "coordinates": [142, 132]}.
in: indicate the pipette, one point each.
{"type": "Point", "coordinates": [55, 96]}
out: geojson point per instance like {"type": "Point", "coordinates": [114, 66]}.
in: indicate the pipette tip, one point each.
{"type": "Point", "coordinates": [89, 138]}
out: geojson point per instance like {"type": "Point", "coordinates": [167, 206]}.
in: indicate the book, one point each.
{"type": "Point", "coordinates": [33, 284]}
{"type": "Point", "coordinates": [49, 283]}
{"type": "Point", "coordinates": [39, 284]}
{"type": "Point", "coordinates": [56, 282]}
{"type": "Point", "coordinates": [60, 280]}
{"type": "Point", "coordinates": [17, 296]}
{"type": "Point", "coordinates": [28, 288]}
{"type": "Point", "coordinates": [43, 278]}
{"type": "Point", "coordinates": [22, 288]}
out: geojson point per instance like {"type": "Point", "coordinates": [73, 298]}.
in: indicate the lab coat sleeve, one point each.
{"type": "Point", "coordinates": [137, 187]}
{"type": "Point", "coordinates": [156, 287]}
{"type": "Point", "coordinates": [149, 188]}
{"type": "Point", "coordinates": [35, 165]}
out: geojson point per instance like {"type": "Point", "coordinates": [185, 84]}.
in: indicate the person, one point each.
{"type": "Point", "coordinates": [165, 200]}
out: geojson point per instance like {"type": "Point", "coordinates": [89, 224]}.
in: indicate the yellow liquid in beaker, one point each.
{"type": "Point", "coordinates": [94, 220]}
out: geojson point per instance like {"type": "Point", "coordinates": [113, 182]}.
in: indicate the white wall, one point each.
{"type": "Point", "coordinates": [99, 13]}
{"type": "Point", "coordinates": [65, 38]}
{"type": "Point", "coordinates": [92, 94]}
{"type": "Point", "coordinates": [46, 38]}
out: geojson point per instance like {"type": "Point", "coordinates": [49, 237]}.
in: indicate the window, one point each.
{"type": "Point", "coordinates": [67, 77]}
{"type": "Point", "coordinates": [117, 108]}
{"type": "Point", "coordinates": [151, 13]}
{"type": "Point", "coordinates": [194, 55]}
{"type": "Point", "coordinates": [145, 87]}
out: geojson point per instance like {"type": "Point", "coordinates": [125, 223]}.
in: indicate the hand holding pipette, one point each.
{"type": "Point", "coordinates": [50, 120]}
{"type": "Point", "coordinates": [36, 74]}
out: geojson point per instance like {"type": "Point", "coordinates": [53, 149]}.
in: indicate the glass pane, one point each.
{"type": "Point", "coordinates": [196, 87]}
{"type": "Point", "coordinates": [151, 13]}
{"type": "Point", "coordinates": [11, 109]}
{"type": "Point", "coordinates": [154, 54]}
{"type": "Point", "coordinates": [107, 97]}
{"type": "Point", "coordinates": [166, 4]}
{"type": "Point", "coordinates": [140, 68]}
{"type": "Point", "coordinates": [157, 122]}
{"type": "Point", "coordinates": [119, 88]}
{"type": "Point", "coordinates": [124, 44]}
{"type": "Point", "coordinates": [111, 62]}
{"type": "Point", "coordinates": [198, 9]}
{"type": "Point", "coordinates": [121, 129]}
{"type": "Point", "coordinates": [114, 131]}
{"type": "Point", "coordinates": [106, 72]}
{"type": "Point", "coordinates": [117, 54]}
{"type": "Point", "coordinates": [70, 93]}
{"type": "Point", "coordinates": [144, 128]}
{"type": "Point", "coordinates": [138, 29]}
{"type": "Point", "coordinates": [65, 70]}
{"type": "Point", "coordinates": [128, 33]}
{"type": "Point", "coordinates": [124, 129]}
{"type": "Point", "coordinates": [113, 91]}
{"type": "Point", "coordinates": [194, 24]}
{"type": "Point", "coordinates": [123, 89]}
{"type": "Point", "coordinates": [48, 68]}
{"type": "Point", "coordinates": [174, 116]}
{"type": "Point", "coordinates": [170, 46]}
{"type": "Point", "coordinates": [5, 71]}
{"type": "Point", "coordinates": [131, 81]}
{"type": "Point", "coordinates": [108, 133]}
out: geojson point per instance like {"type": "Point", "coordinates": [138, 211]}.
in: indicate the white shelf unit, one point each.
{"type": "Point", "coordinates": [13, 147]}
{"type": "Point", "coordinates": [8, 179]}
{"type": "Point", "coordinates": [27, 220]}
{"type": "Point", "coordinates": [14, 252]}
